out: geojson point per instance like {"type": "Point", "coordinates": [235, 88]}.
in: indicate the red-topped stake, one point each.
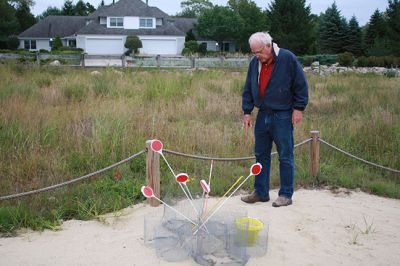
{"type": "Point", "coordinates": [182, 178]}
{"type": "Point", "coordinates": [156, 146]}
{"type": "Point", "coordinates": [205, 186]}
{"type": "Point", "coordinates": [147, 192]}
{"type": "Point", "coordinates": [255, 169]}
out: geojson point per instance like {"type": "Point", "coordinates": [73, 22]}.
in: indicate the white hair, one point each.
{"type": "Point", "coordinates": [261, 38]}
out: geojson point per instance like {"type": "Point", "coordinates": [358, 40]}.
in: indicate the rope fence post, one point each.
{"type": "Point", "coordinates": [314, 153]}
{"type": "Point", "coordinates": [153, 174]}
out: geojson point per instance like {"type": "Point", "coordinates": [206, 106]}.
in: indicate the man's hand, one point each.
{"type": "Point", "coordinates": [297, 116]}
{"type": "Point", "coordinates": [247, 121]}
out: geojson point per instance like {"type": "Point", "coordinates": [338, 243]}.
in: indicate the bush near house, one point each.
{"type": "Point", "coordinates": [191, 47]}
{"type": "Point", "coordinates": [133, 43]}
{"type": "Point", "coordinates": [57, 43]}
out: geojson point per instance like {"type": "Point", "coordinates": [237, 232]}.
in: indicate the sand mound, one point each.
{"type": "Point", "coordinates": [321, 228]}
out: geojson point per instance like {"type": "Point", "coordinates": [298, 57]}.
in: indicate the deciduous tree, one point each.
{"type": "Point", "coordinates": [219, 24]}
{"type": "Point", "coordinates": [253, 21]}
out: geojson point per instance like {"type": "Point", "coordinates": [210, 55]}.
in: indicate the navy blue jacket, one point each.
{"type": "Point", "coordinates": [287, 88]}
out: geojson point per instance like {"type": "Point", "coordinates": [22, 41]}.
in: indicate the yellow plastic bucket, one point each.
{"type": "Point", "coordinates": [247, 230]}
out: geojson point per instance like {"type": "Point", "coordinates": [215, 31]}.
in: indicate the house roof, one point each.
{"type": "Point", "coordinates": [96, 29]}
{"type": "Point", "coordinates": [53, 26]}
{"type": "Point", "coordinates": [187, 24]}
{"type": "Point", "coordinates": [184, 24]}
{"type": "Point", "coordinates": [123, 8]}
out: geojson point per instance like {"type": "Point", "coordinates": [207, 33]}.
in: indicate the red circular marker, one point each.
{"type": "Point", "coordinates": [147, 192]}
{"type": "Point", "coordinates": [205, 186]}
{"type": "Point", "coordinates": [156, 145]}
{"type": "Point", "coordinates": [182, 178]}
{"type": "Point", "coordinates": [255, 169]}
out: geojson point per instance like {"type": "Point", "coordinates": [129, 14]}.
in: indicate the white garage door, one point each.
{"type": "Point", "coordinates": [98, 46]}
{"type": "Point", "coordinates": [158, 46]}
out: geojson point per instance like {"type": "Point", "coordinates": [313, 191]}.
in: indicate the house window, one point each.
{"type": "Point", "coordinates": [226, 47]}
{"type": "Point", "coordinates": [72, 43]}
{"type": "Point", "coordinates": [146, 23]}
{"type": "Point", "coordinates": [30, 44]}
{"type": "Point", "coordinates": [117, 22]}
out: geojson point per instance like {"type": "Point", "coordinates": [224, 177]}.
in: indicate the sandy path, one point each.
{"type": "Point", "coordinates": [321, 228]}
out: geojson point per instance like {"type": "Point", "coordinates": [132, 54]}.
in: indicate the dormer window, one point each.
{"type": "Point", "coordinates": [146, 23]}
{"type": "Point", "coordinates": [116, 22]}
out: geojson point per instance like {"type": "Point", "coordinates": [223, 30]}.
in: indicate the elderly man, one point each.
{"type": "Point", "coordinates": [277, 86]}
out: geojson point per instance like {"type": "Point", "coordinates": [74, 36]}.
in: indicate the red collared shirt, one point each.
{"type": "Point", "coordinates": [265, 75]}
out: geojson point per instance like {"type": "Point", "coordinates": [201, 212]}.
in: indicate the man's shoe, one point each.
{"type": "Point", "coordinates": [282, 201]}
{"type": "Point", "coordinates": [253, 198]}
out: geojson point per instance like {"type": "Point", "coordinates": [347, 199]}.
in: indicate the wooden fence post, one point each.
{"type": "Point", "coordinates": [153, 173]}
{"type": "Point", "coordinates": [314, 153]}
{"type": "Point", "coordinates": [193, 62]}
{"type": "Point", "coordinates": [158, 60]}
{"type": "Point", "coordinates": [123, 61]}
{"type": "Point", "coordinates": [38, 57]}
{"type": "Point", "coordinates": [82, 59]}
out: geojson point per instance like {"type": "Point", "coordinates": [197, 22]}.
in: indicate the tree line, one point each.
{"type": "Point", "coordinates": [292, 26]}
{"type": "Point", "coordinates": [290, 23]}
{"type": "Point", "coordinates": [16, 16]}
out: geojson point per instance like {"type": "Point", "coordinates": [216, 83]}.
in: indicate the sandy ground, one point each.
{"type": "Point", "coordinates": [321, 228]}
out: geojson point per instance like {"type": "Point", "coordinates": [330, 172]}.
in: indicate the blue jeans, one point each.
{"type": "Point", "coordinates": [274, 127]}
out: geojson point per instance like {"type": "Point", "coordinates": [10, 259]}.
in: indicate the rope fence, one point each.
{"type": "Point", "coordinates": [199, 157]}
{"type": "Point", "coordinates": [72, 181]}
{"type": "Point", "coordinates": [357, 158]}
{"type": "Point", "coordinates": [153, 165]}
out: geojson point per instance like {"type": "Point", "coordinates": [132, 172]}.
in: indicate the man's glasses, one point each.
{"type": "Point", "coordinates": [259, 51]}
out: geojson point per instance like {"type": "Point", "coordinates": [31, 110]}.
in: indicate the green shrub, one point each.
{"type": "Point", "coordinates": [67, 48]}
{"type": "Point", "coordinates": [57, 43]}
{"type": "Point", "coordinates": [361, 61]}
{"type": "Point", "coordinates": [191, 47]}
{"type": "Point", "coordinates": [133, 43]}
{"type": "Point", "coordinates": [346, 59]}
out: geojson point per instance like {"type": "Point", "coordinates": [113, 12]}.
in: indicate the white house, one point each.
{"type": "Point", "coordinates": [104, 31]}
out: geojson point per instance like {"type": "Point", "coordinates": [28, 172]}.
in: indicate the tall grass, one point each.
{"type": "Point", "coordinates": [59, 123]}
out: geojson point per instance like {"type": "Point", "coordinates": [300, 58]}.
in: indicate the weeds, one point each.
{"type": "Point", "coordinates": [61, 123]}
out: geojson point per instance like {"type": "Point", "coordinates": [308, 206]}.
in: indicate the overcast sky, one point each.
{"type": "Point", "coordinates": [362, 9]}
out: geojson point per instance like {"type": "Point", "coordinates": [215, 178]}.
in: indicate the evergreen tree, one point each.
{"type": "Point", "coordinates": [102, 3]}
{"type": "Point", "coordinates": [68, 8]}
{"type": "Point", "coordinates": [354, 37]}
{"type": "Point", "coordinates": [24, 16]}
{"type": "Point", "coordinates": [393, 14]}
{"type": "Point", "coordinates": [376, 28]}
{"type": "Point", "coordinates": [295, 31]}
{"type": "Point", "coordinates": [332, 31]}
{"type": "Point", "coordinates": [220, 24]}
{"type": "Point", "coordinates": [50, 11]}
{"type": "Point", "coordinates": [253, 21]}
{"type": "Point", "coordinates": [80, 9]}
{"type": "Point", "coordinates": [89, 8]}
{"type": "Point", "coordinates": [57, 43]}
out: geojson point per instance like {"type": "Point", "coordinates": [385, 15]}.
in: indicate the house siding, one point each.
{"type": "Point", "coordinates": [40, 44]}
{"type": "Point", "coordinates": [131, 23]}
